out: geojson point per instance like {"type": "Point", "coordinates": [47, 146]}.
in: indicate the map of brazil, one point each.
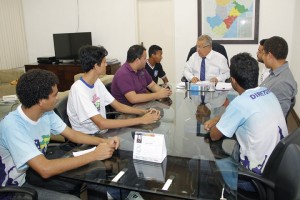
{"type": "Point", "coordinates": [229, 19]}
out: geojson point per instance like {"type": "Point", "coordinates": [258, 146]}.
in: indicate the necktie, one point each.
{"type": "Point", "coordinates": [202, 70]}
{"type": "Point", "coordinates": [202, 99]}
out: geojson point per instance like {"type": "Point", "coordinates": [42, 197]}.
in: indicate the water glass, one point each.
{"type": "Point", "coordinates": [212, 86]}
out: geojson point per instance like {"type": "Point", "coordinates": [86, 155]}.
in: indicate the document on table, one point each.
{"type": "Point", "coordinates": [149, 147]}
{"type": "Point", "coordinates": [223, 86]}
{"type": "Point", "coordinates": [79, 153]}
{"type": "Point", "coordinates": [180, 85]}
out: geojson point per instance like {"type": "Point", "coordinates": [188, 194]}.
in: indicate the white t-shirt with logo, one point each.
{"type": "Point", "coordinates": [259, 124]}
{"type": "Point", "coordinates": [86, 101]}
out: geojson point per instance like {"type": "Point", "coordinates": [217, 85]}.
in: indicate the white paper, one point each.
{"type": "Point", "coordinates": [223, 86]}
{"type": "Point", "coordinates": [205, 83]}
{"type": "Point", "coordinates": [180, 85]}
{"type": "Point", "coordinates": [149, 147]}
{"type": "Point", "coordinates": [79, 153]}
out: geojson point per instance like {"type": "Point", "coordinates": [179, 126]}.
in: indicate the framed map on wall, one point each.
{"type": "Point", "coordinates": [229, 21]}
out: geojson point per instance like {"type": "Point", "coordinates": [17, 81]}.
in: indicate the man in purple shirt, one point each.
{"type": "Point", "coordinates": [132, 80]}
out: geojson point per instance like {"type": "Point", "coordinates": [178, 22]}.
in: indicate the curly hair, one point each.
{"type": "Point", "coordinates": [277, 46]}
{"type": "Point", "coordinates": [91, 55]}
{"type": "Point", "coordinates": [35, 85]}
{"type": "Point", "coordinates": [244, 69]}
{"type": "Point", "coordinates": [134, 52]}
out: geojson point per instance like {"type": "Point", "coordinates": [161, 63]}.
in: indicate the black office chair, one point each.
{"type": "Point", "coordinates": [61, 110]}
{"type": "Point", "coordinates": [216, 47]}
{"type": "Point", "coordinates": [5, 192]}
{"type": "Point", "coordinates": [271, 171]}
{"type": "Point", "coordinates": [286, 177]}
{"type": "Point", "coordinates": [56, 150]}
{"type": "Point", "coordinates": [293, 102]}
{"type": "Point", "coordinates": [111, 113]}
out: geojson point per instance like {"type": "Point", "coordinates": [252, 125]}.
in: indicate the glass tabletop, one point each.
{"type": "Point", "coordinates": [198, 167]}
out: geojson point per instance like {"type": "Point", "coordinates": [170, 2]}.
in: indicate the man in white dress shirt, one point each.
{"type": "Point", "coordinates": [215, 64]}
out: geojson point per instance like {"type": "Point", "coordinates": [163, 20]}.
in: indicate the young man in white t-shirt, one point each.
{"type": "Point", "coordinates": [88, 97]}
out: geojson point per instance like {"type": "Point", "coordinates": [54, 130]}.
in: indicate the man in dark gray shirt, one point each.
{"type": "Point", "coordinates": [281, 80]}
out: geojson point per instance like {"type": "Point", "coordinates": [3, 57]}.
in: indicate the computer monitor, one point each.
{"type": "Point", "coordinates": [66, 45]}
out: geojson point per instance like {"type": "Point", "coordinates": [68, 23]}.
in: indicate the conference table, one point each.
{"type": "Point", "coordinates": [192, 161]}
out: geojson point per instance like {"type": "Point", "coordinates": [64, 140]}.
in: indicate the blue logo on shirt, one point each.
{"type": "Point", "coordinates": [155, 73]}
{"type": "Point", "coordinates": [259, 94]}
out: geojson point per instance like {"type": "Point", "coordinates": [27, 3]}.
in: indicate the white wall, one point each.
{"type": "Point", "coordinates": [272, 22]}
{"type": "Point", "coordinates": [294, 53]}
{"type": "Point", "coordinates": [113, 24]}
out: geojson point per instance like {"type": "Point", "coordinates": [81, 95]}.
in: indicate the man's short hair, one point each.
{"type": "Point", "coordinates": [134, 52]}
{"type": "Point", "coordinates": [153, 49]}
{"type": "Point", "coordinates": [244, 69]}
{"type": "Point", "coordinates": [206, 38]}
{"type": "Point", "coordinates": [262, 42]}
{"type": "Point", "coordinates": [91, 55]}
{"type": "Point", "coordinates": [35, 85]}
{"type": "Point", "coordinates": [277, 46]}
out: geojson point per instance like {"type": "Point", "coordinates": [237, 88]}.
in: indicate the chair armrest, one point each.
{"type": "Point", "coordinates": [183, 79]}
{"type": "Point", "coordinates": [255, 177]}
{"type": "Point", "coordinates": [14, 189]}
{"type": "Point", "coordinates": [260, 183]}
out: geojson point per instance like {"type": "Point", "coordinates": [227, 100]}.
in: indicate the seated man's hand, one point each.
{"type": "Point", "coordinates": [195, 80]}
{"type": "Point", "coordinates": [151, 117]}
{"type": "Point", "coordinates": [103, 151]}
{"type": "Point", "coordinates": [113, 142]}
{"type": "Point", "coordinates": [214, 79]}
{"type": "Point", "coordinates": [211, 123]}
{"type": "Point", "coordinates": [151, 110]}
{"type": "Point", "coordinates": [164, 93]}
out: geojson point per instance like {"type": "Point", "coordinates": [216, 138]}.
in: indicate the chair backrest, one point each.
{"type": "Point", "coordinates": [61, 110]}
{"type": "Point", "coordinates": [277, 154]}
{"type": "Point", "coordinates": [293, 102]}
{"type": "Point", "coordinates": [215, 46]}
{"type": "Point", "coordinates": [11, 192]}
{"type": "Point", "coordinates": [109, 108]}
{"type": "Point", "coordinates": [287, 182]}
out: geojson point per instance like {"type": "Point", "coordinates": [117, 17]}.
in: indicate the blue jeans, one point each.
{"type": "Point", "coordinates": [229, 173]}
{"type": "Point", "coordinates": [228, 169]}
